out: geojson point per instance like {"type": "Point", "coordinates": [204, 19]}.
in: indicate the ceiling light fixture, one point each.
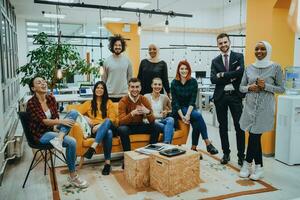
{"type": "Point", "coordinates": [32, 29]}
{"type": "Point", "coordinates": [131, 4]}
{"type": "Point", "coordinates": [62, 1]}
{"type": "Point", "coordinates": [139, 30]}
{"type": "Point", "coordinates": [32, 24]}
{"type": "Point", "coordinates": [167, 25]}
{"type": "Point", "coordinates": [51, 15]}
{"type": "Point", "coordinates": [112, 19]}
{"type": "Point", "coordinates": [114, 8]}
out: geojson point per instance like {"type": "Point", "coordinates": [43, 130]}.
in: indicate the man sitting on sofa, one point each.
{"type": "Point", "coordinates": [136, 115]}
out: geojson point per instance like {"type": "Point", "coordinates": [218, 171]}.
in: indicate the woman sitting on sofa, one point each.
{"type": "Point", "coordinates": [100, 115]}
{"type": "Point", "coordinates": [161, 106]}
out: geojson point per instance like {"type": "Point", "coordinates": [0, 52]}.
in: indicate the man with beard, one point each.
{"type": "Point", "coordinates": [136, 116]}
{"type": "Point", "coordinates": [117, 69]}
{"type": "Point", "coordinates": [226, 72]}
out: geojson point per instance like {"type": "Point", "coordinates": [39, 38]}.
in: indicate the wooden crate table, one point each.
{"type": "Point", "coordinates": [174, 175]}
{"type": "Point", "coordinates": [137, 169]}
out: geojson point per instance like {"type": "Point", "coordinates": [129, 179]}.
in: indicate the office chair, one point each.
{"type": "Point", "coordinates": [44, 150]}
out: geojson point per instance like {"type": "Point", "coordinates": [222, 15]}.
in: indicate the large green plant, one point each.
{"type": "Point", "coordinates": [51, 56]}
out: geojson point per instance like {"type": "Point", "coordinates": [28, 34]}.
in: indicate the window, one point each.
{"type": "Point", "coordinates": [3, 40]}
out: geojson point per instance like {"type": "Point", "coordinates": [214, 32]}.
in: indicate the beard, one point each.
{"type": "Point", "coordinates": [117, 51]}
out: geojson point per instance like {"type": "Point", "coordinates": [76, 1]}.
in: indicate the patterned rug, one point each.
{"type": "Point", "coordinates": [217, 182]}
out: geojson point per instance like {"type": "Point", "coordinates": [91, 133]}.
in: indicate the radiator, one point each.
{"type": "Point", "coordinates": [13, 146]}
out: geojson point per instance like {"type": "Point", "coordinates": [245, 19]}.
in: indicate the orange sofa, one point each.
{"type": "Point", "coordinates": [137, 140]}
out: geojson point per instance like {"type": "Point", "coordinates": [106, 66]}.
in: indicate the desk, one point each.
{"type": "Point", "coordinates": [202, 89]}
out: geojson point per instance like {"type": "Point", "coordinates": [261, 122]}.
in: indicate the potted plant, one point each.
{"type": "Point", "coordinates": [50, 57]}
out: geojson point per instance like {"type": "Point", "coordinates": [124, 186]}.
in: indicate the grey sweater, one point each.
{"type": "Point", "coordinates": [117, 72]}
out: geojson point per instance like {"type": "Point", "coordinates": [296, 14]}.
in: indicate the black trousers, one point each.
{"type": "Point", "coordinates": [254, 151]}
{"type": "Point", "coordinates": [125, 130]}
{"type": "Point", "coordinates": [234, 103]}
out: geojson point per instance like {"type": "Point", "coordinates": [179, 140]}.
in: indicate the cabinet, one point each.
{"type": "Point", "coordinates": [287, 146]}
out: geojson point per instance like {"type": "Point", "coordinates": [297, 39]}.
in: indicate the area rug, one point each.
{"type": "Point", "coordinates": [217, 182]}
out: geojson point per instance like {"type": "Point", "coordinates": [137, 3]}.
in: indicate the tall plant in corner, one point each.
{"type": "Point", "coordinates": [51, 56]}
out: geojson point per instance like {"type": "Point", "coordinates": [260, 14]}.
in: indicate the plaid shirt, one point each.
{"type": "Point", "coordinates": [183, 95]}
{"type": "Point", "coordinates": [37, 115]}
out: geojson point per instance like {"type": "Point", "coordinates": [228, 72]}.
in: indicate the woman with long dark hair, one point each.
{"type": "Point", "coordinates": [101, 116]}
{"type": "Point", "coordinates": [184, 91]}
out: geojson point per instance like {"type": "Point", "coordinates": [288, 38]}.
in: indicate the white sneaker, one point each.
{"type": "Point", "coordinates": [78, 182]}
{"type": "Point", "coordinates": [258, 173]}
{"type": "Point", "coordinates": [245, 169]}
{"type": "Point", "coordinates": [57, 144]}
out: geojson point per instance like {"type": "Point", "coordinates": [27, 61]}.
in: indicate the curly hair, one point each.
{"type": "Point", "coordinates": [113, 40]}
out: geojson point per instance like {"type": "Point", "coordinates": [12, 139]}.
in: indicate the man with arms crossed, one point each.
{"type": "Point", "coordinates": [226, 72]}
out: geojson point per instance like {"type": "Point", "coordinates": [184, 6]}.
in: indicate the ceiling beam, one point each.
{"type": "Point", "coordinates": [135, 10]}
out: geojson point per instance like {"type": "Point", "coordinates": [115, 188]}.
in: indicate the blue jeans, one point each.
{"type": "Point", "coordinates": [166, 126]}
{"type": "Point", "coordinates": [104, 133]}
{"type": "Point", "coordinates": [198, 125]}
{"type": "Point", "coordinates": [68, 142]}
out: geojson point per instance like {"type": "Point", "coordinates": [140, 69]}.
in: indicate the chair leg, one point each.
{"type": "Point", "coordinates": [81, 162]}
{"type": "Point", "coordinates": [30, 168]}
{"type": "Point", "coordinates": [53, 171]}
{"type": "Point", "coordinates": [45, 163]}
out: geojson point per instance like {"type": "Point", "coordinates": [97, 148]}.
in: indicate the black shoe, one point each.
{"type": "Point", "coordinates": [89, 153]}
{"type": "Point", "coordinates": [211, 149]}
{"type": "Point", "coordinates": [225, 159]}
{"type": "Point", "coordinates": [240, 161]}
{"type": "Point", "coordinates": [106, 170]}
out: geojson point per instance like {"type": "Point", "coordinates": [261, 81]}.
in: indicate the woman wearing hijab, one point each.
{"type": "Point", "coordinates": [151, 68]}
{"type": "Point", "coordinates": [261, 80]}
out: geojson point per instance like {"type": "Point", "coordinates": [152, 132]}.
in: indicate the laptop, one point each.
{"type": "Point", "coordinates": [86, 90]}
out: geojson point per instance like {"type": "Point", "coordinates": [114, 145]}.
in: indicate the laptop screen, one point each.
{"type": "Point", "coordinates": [86, 90]}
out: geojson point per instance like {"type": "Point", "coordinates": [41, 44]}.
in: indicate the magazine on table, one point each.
{"type": "Point", "coordinates": [153, 148]}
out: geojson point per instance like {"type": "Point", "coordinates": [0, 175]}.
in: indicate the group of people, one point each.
{"type": "Point", "coordinates": [145, 106]}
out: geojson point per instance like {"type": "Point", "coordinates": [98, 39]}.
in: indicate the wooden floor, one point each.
{"type": "Point", "coordinates": [285, 178]}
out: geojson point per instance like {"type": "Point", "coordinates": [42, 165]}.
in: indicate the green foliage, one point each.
{"type": "Point", "coordinates": [48, 57]}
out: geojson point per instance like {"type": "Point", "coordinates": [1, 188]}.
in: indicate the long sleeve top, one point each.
{"type": "Point", "coordinates": [117, 72]}
{"type": "Point", "coordinates": [86, 109]}
{"type": "Point", "coordinates": [37, 115]}
{"type": "Point", "coordinates": [148, 71]}
{"type": "Point", "coordinates": [183, 95]}
{"type": "Point", "coordinates": [126, 105]}
{"type": "Point", "coordinates": [259, 109]}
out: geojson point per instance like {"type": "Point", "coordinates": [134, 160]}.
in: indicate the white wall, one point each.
{"type": "Point", "coordinates": [297, 50]}
{"type": "Point", "coordinates": [22, 49]}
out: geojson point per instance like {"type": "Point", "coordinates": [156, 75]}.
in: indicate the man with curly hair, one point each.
{"type": "Point", "coordinates": [117, 69]}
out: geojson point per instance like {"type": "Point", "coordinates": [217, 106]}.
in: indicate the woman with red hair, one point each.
{"type": "Point", "coordinates": [184, 92]}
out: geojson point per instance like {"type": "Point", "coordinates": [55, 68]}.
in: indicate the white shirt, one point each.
{"type": "Point", "coordinates": [157, 107]}
{"type": "Point", "coordinates": [228, 86]}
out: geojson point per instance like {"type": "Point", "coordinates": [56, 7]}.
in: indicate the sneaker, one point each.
{"type": "Point", "coordinates": [245, 170]}
{"type": "Point", "coordinates": [106, 170]}
{"type": "Point", "coordinates": [57, 144]}
{"type": "Point", "coordinates": [77, 182]}
{"type": "Point", "coordinates": [211, 149]}
{"type": "Point", "coordinates": [258, 173]}
{"type": "Point", "coordinates": [89, 153]}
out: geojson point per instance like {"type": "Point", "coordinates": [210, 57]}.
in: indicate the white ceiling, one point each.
{"type": "Point", "coordinates": [31, 11]}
